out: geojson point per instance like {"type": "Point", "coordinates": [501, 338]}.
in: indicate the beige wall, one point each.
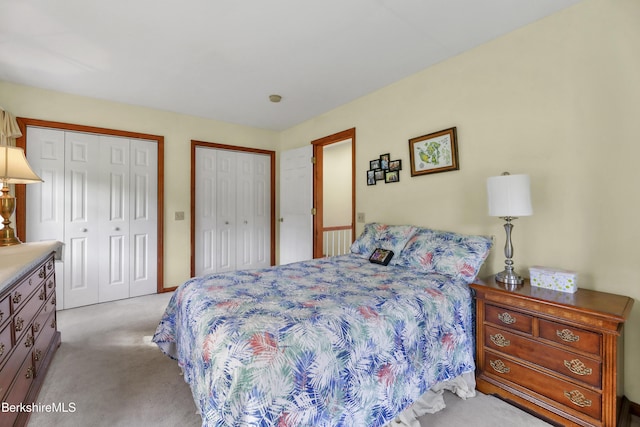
{"type": "Point", "coordinates": [178, 131]}
{"type": "Point", "coordinates": [559, 100]}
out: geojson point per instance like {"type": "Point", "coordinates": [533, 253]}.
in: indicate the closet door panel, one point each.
{"type": "Point", "coordinates": [205, 223]}
{"type": "Point", "coordinates": [245, 207]}
{"type": "Point", "coordinates": [143, 217]}
{"type": "Point", "coordinates": [262, 213]}
{"type": "Point", "coordinates": [45, 201]}
{"type": "Point", "coordinates": [81, 219]}
{"type": "Point", "coordinates": [226, 211]}
{"type": "Point", "coordinates": [114, 219]}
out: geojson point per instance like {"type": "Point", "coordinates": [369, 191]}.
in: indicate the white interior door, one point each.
{"type": "Point", "coordinates": [261, 225]}
{"type": "Point", "coordinates": [253, 216]}
{"type": "Point", "coordinates": [99, 198]}
{"type": "Point", "coordinates": [205, 211]}
{"type": "Point", "coordinates": [45, 215]}
{"type": "Point", "coordinates": [81, 224]}
{"type": "Point", "coordinates": [114, 219]}
{"type": "Point", "coordinates": [296, 202]}
{"type": "Point", "coordinates": [225, 255]}
{"type": "Point", "coordinates": [232, 210]}
{"type": "Point", "coordinates": [143, 217]}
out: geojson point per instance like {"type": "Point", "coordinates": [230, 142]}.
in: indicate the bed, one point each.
{"type": "Point", "coordinates": [337, 341]}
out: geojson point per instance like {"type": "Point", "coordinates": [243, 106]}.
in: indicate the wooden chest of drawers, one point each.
{"type": "Point", "coordinates": [28, 337]}
{"type": "Point", "coordinates": [556, 354]}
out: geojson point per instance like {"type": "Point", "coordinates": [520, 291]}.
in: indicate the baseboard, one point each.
{"type": "Point", "coordinates": [634, 408]}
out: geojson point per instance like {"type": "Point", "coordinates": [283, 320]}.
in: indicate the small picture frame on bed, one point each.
{"type": "Point", "coordinates": [381, 256]}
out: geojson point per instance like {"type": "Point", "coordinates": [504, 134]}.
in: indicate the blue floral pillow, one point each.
{"type": "Point", "coordinates": [444, 252]}
{"type": "Point", "coordinates": [390, 237]}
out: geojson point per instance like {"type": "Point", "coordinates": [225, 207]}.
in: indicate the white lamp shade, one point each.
{"type": "Point", "coordinates": [509, 195]}
{"type": "Point", "coordinates": [14, 168]}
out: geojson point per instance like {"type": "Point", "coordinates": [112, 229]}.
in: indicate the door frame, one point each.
{"type": "Point", "coordinates": [214, 145]}
{"type": "Point", "coordinates": [21, 191]}
{"type": "Point", "coordinates": [318, 146]}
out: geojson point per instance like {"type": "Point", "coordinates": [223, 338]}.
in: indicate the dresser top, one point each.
{"type": "Point", "coordinates": [18, 259]}
{"type": "Point", "coordinates": [613, 306]}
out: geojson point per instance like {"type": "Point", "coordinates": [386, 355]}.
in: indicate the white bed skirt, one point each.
{"type": "Point", "coordinates": [464, 386]}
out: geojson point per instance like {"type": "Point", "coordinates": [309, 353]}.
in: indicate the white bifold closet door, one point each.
{"type": "Point", "coordinates": [232, 210]}
{"type": "Point", "coordinates": [99, 198]}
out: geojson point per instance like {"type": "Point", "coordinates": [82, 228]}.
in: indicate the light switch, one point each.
{"type": "Point", "coordinates": [179, 216]}
{"type": "Point", "coordinates": [360, 217]}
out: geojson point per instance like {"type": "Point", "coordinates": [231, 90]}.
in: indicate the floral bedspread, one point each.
{"type": "Point", "coordinates": [328, 342]}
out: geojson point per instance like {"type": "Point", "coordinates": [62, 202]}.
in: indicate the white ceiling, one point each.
{"type": "Point", "coordinates": [221, 59]}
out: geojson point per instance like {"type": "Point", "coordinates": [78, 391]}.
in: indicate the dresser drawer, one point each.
{"type": "Point", "coordinates": [20, 353]}
{"type": "Point", "coordinates": [40, 320]}
{"type": "Point", "coordinates": [569, 336]}
{"type": "Point", "coordinates": [565, 393]}
{"type": "Point", "coordinates": [22, 319]}
{"type": "Point", "coordinates": [43, 341]}
{"type": "Point", "coordinates": [5, 309]}
{"type": "Point", "coordinates": [19, 389]}
{"type": "Point", "coordinates": [24, 289]}
{"type": "Point", "coordinates": [508, 318]}
{"type": "Point", "coordinates": [561, 361]}
{"type": "Point", "coordinates": [5, 343]}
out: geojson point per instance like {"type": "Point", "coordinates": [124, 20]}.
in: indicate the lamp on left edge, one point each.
{"type": "Point", "coordinates": [14, 169]}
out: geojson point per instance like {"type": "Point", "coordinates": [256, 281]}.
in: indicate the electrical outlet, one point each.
{"type": "Point", "coordinates": [360, 217]}
{"type": "Point", "coordinates": [179, 216]}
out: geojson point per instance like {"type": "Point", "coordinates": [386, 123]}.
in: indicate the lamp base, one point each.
{"type": "Point", "coordinates": [509, 277]}
{"type": "Point", "coordinates": [8, 237]}
{"type": "Point", "coordinates": [7, 206]}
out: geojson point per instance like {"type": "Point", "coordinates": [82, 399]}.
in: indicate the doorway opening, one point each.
{"type": "Point", "coordinates": [334, 192]}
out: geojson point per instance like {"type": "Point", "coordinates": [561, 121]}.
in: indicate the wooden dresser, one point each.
{"type": "Point", "coordinates": [28, 332]}
{"type": "Point", "coordinates": [557, 354]}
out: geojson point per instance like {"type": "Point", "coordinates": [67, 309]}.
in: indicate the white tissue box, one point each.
{"type": "Point", "coordinates": [554, 278]}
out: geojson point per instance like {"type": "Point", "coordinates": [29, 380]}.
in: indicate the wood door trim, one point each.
{"type": "Point", "coordinates": [270, 153]}
{"type": "Point", "coordinates": [21, 192]}
{"type": "Point", "coordinates": [318, 145]}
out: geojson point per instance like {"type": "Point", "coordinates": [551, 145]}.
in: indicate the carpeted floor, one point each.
{"type": "Point", "coordinates": [110, 372]}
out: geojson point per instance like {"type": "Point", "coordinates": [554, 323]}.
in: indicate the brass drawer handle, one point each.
{"type": "Point", "coordinates": [38, 355]}
{"type": "Point", "coordinates": [42, 273]}
{"type": "Point", "coordinates": [36, 327]}
{"type": "Point", "coordinates": [506, 318]}
{"type": "Point", "coordinates": [42, 295]}
{"type": "Point", "coordinates": [17, 298]}
{"type": "Point", "coordinates": [1, 315]}
{"type": "Point", "coordinates": [30, 373]}
{"type": "Point", "coordinates": [53, 323]}
{"type": "Point", "coordinates": [50, 284]}
{"type": "Point", "coordinates": [577, 398]}
{"type": "Point", "coordinates": [1, 349]}
{"type": "Point", "coordinates": [500, 340]}
{"type": "Point", "coordinates": [577, 367]}
{"type": "Point", "coordinates": [30, 341]}
{"type": "Point", "coordinates": [567, 335]}
{"type": "Point", "coordinates": [19, 324]}
{"type": "Point", "coordinates": [499, 366]}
